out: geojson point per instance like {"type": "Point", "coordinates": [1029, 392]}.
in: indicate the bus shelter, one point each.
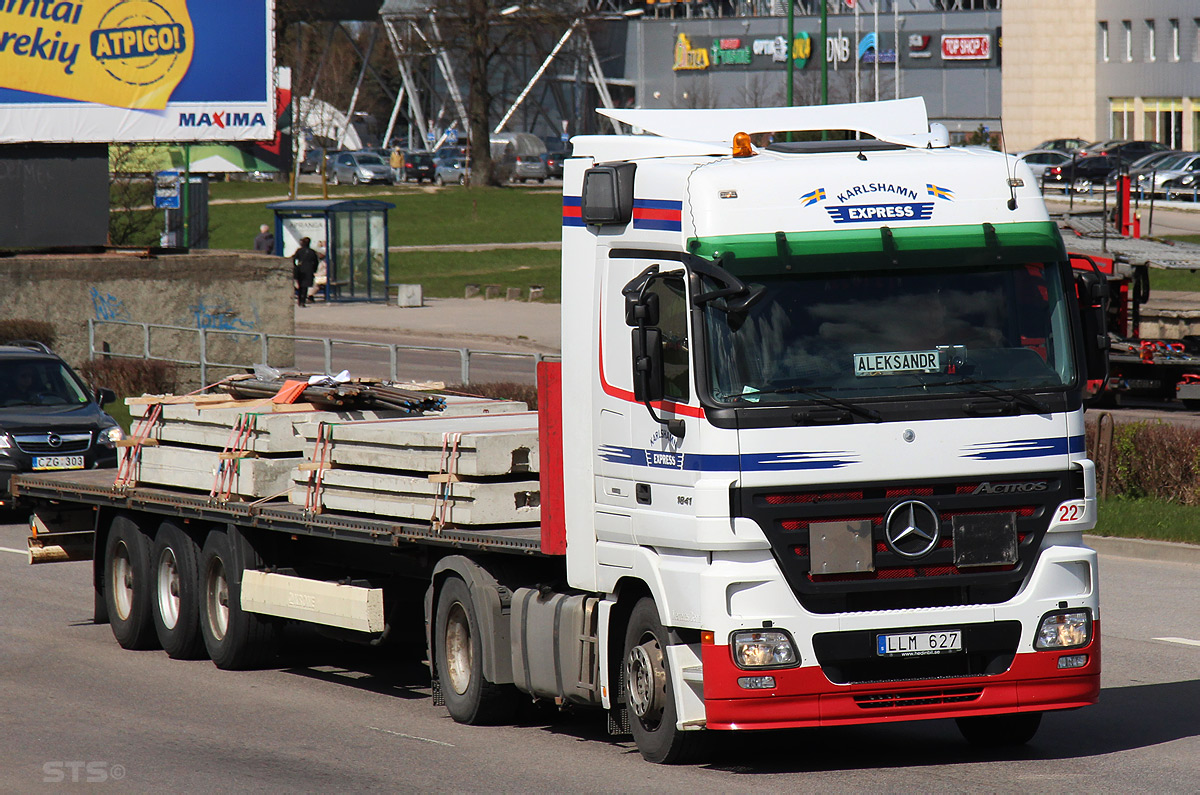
{"type": "Point", "coordinates": [349, 235]}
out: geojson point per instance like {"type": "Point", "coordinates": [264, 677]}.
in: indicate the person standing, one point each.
{"type": "Point", "coordinates": [304, 268]}
{"type": "Point", "coordinates": [265, 242]}
{"type": "Point", "coordinates": [396, 161]}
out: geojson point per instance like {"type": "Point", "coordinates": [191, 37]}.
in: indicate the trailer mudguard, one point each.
{"type": "Point", "coordinates": [491, 600]}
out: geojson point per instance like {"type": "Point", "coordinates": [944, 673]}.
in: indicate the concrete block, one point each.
{"type": "Point", "coordinates": [488, 445]}
{"type": "Point", "coordinates": [185, 468]}
{"type": "Point", "coordinates": [491, 291]}
{"type": "Point", "coordinates": [471, 291]}
{"type": "Point", "coordinates": [513, 294]}
{"type": "Point", "coordinates": [410, 497]}
{"type": "Point", "coordinates": [409, 295]}
{"type": "Point", "coordinates": [536, 292]}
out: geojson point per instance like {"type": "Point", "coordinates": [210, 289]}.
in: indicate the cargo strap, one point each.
{"type": "Point", "coordinates": [229, 466]}
{"type": "Point", "coordinates": [321, 461]}
{"type": "Point", "coordinates": [131, 452]}
{"type": "Point", "coordinates": [445, 479]}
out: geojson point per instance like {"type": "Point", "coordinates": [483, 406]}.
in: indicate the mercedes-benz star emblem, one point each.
{"type": "Point", "coordinates": [54, 440]}
{"type": "Point", "coordinates": [911, 529]}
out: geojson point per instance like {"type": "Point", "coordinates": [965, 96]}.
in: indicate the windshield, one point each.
{"type": "Point", "coordinates": [38, 383]}
{"type": "Point", "coordinates": [369, 160]}
{"type": "Point", "coordinates": [895, 333]}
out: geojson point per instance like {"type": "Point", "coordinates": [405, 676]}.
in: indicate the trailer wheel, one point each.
{"type": "Point", "coordinates": [175, 585]}
{"type": "Point", "coordinates": [235, 640]}
{"type": "Point", "coordinates": [470, 698]}
{"type": "Point", "coordinates": [127, 584]}
{"type": "Point", "coordinates": [1000, 731]}
{"type": "Point", "coordinates": [649, 693]}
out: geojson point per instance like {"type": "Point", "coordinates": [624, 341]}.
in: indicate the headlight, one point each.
{"type": "Point", "coordinates": [1067, 629]}
{"type": "Point", "coordinates": [110, 436]}
{"type": "Point", "coordinates": [6, 442]}
{"type": "Point", "coordinates": [763, 649]}
{"type": "Point", "coordinates": [1188, 180]}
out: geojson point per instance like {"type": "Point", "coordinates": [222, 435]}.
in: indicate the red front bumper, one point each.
{"type": "Point", "coordinates": [805, 697]}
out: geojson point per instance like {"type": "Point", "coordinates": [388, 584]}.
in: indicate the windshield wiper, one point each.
{"type": "Point", "coordinates": [989, 389]}
{"type": "Point", "coordinates": [826, 400]}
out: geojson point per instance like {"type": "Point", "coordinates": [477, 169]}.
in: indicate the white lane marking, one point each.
{"type": "Point", "coordinates": [410, 736]}
{"type": "Point", "coordinates": [22, 552]}
{"type": "Point", "coordinates": [1184, 641]}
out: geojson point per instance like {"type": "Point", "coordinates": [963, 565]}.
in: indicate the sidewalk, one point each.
{"type": "Point", "coordinates": [452, 322]}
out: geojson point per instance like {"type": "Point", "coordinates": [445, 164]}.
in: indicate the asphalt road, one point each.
{"type": "Point", "coordinates": [328, 717]}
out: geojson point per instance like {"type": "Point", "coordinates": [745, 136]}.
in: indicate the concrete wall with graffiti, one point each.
{"type": "Point", "coordinates": [220, 291]}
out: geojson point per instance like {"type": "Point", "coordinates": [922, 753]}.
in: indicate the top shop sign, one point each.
{"type": "Point", "coordinates": [975, 47]}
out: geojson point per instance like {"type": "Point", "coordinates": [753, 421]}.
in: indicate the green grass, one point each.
{"type": "Point", "coordinates": [421, 217]}
{"type": "Point", "coordinates": [1148, 518]}
{"type": "Point", "coordinates": [1174, 280]}
{"type": "Point", "coordinates": [445, 274]}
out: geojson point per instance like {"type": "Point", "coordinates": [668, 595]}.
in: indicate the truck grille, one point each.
{"type": "Point", "coordinates": [919, 698]}
{"type": "Point", "coordinates": [53, 443]}
{"type": "Point", "coordinates": [851, 658]}
{"type": "Point", "coordinates": [895, 581]}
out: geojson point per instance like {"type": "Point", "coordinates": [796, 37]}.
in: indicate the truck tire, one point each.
{"type": "Point", "coordinates": [176, 586]}
{"type": "Point", "coordinates": [1000, 731]}
{"type": "Point", "coordinates": [470, 698]}
{"type": "Point", "coordinates": [235, 640]}
{"type": "Point", "coordinates": [649, 694]}
{"type": "Point", "coordinates": [127, 584]}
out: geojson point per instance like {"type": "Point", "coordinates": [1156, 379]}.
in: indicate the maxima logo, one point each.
{"type": "Point", "coordinates": [1011, 488]}
{"type": "Point", "coordinates": [222, 120]}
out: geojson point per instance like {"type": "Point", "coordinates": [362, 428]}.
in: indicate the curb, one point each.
{"type": "Point", "coordinates": [1143, 549]}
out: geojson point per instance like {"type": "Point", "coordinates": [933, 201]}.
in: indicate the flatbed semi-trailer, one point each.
{"type": "Point", "coordinates": [813, 456]}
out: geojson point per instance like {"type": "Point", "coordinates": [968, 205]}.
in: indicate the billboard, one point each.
{"type": "Point", "coordinates": [136, 70]}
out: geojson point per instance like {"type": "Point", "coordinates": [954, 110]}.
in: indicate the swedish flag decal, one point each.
{"type": "Point", "coordinates": [939, 193]}
{"type": "Point", "coordinates": [812, 197]}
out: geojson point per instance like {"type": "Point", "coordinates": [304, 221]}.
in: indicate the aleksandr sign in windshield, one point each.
{"type": "Point", "coordinates": [136, 70]}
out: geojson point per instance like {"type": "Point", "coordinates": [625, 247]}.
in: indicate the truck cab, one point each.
{"type": "Point", "coordinates": [826, 417]}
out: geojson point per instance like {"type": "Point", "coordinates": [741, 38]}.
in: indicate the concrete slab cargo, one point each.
{"type": "Point", "coordinates": [186, 468]}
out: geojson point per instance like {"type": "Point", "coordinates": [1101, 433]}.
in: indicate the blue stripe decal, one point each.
{"type": "Point", "coordinates": [573, 222]}
{"type": "Point", "coordinates": [658, 204]}
{"type": "Point", "coordinates": [750, 462]}
{"type": "Point", "coordinates": [651, 223]}
{"type": "Point", "coordinates": [1024, 448]}
{"type": "Point", "coordinates": [572, 201]}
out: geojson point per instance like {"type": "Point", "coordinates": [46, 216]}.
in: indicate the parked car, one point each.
{"type": "Point", "coordinates": [1039, 160]}
{"type": "Point", "coordinates": [1062, 144]}
{"type": "Point", "coordinates": [1127, 150]}
{"type": "Point", "coordinates": [554, 163]}
{"type": "Point", "coordinates": [1188, 184]}
{"type": "Point", "coordinates": [419, 166]}
{"type": "Point", "coordinates": [311, 163]}
{"type": "Point", "coordinates": [450, 153]}
{"type": "Point", "coordinates": [1178, 165]}
{"type": "Point", "coordinates": [49, 418]}
{"type": "Point", "coordinates": [450, 172]}
{"type": "Point", "coordinates": [1083, 172]}
{"type": "Point", "coordinates": [529, 167]}
{"type": "Point", "coordinates": [358, 168]}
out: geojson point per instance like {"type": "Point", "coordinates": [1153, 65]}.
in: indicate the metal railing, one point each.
{"type": "Point", "coordinates": [264, 340]}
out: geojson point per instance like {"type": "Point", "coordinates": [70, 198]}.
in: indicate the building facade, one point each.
{"type": "Point", "coordinates": [951, 58]}
{"type": "Point", "coordinates": [1101, 69]}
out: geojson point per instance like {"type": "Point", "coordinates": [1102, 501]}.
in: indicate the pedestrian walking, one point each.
{"type": "Point", "coordinates": [265, 241]}
{"type": "Point", "coordinates": [396, 161]}
{"type": "Point", "coordinates": [304, 269]}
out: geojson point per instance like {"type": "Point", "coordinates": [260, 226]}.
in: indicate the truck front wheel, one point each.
{"type": "Point", "coordinates": [127, 584]}
{"type": "Point", "coordinates": [176, 602]}
{"type": "Point", "coordinates": [1000, 731]}
{"type": "Point", "coordinates": [470, 698]}
{"type": "Point", "coordinates": [649, 692]}
{"type": "Point", "coordinates": [235, 639]}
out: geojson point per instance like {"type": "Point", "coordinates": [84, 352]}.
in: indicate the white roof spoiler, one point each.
{"type": "Point", "coordinates": [900, 121]}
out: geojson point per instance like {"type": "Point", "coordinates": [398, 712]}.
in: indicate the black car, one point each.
{"type": "Point", "coordinates": [1082, 173]}
{"type": "Point", "coordinates": [49, 418]}
{"type": "Point", "coordinates": [419, 166]}
{"type": "Point", "coordinates": [554, 163]}
{"type": "Point", "coordinates": [1126, 150]}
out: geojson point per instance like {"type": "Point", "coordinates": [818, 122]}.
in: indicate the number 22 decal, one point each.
{"type": "Point", "coordinates": [1070, 513]}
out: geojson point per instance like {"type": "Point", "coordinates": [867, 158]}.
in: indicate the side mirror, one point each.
{"type": "Point", "coordinates": [647, 364]}
{"type": "Point", "coordinates": [1092, 291]}
{"type": "Point", "coordinates": [104, 396]}
{"type": "Point", "coordinates": [641, 309]}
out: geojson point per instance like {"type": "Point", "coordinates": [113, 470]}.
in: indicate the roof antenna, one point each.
{"type": "Point", "coordinates": [1012, 181]}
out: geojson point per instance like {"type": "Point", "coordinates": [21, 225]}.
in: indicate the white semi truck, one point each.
{"type": "Point", "coordinates": [814, 456]}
